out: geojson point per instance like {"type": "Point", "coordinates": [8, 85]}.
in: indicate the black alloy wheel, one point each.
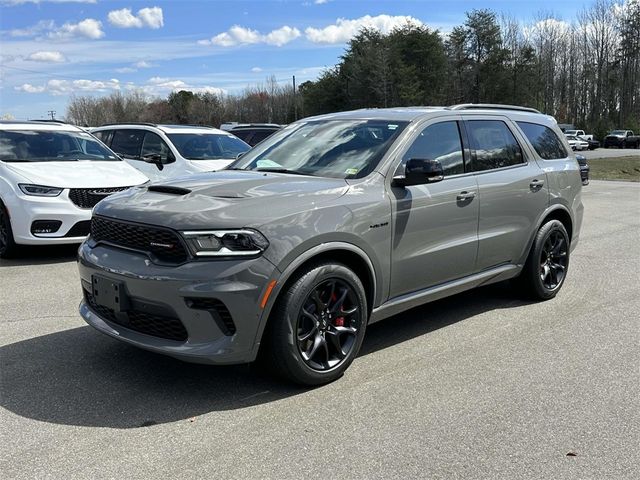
{"type": "Point", "coordinates": [553, 260]}
{"type": "Point", "coordinates": [547, 265]}
{"type": "Point", "coordinates": [7, 245]}
{"type": "Point", "coordinates": [328, 324]}
{"type": "Point", "coordinates": [317, 324]}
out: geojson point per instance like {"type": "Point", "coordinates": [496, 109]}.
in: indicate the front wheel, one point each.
{"type": "Point", "coordinates": [318, 325]}
{"type": "Point", "coordinates": [8, 246]}
{"type": "Point", "coordinates": [548, 262]}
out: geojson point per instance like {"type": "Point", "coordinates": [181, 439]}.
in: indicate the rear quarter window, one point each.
{"type": "Point", "coordinates": [544, 140]}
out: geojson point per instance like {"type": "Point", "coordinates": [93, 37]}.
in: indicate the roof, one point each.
{"type": "Point", "coordinates": [409, 114]}
{"type": "Point", "coordinates": [162, 127]}
{"type": "Point", "coordinates": [37, 125]}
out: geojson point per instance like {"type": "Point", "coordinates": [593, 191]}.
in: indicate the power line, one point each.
{"type": "Point", "coordinates": [37, 72]}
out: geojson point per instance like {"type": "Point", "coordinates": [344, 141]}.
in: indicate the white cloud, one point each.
{"type": "Point", "coordinates": [89, 28]}
{"type": "Point", "coordinates": [256, 69]}
{"type": "Point", "coordinates": [28, 88]}
{"type": "Point", "coordinates": [281, 36]}
{"type": "Point", "coordinates": [344, 29]}
{"type": "Point", "coordinates": [321, 2]}
{"type": "Point", "coordinates": [41, 26]}
{"type": "Point", "coordinates": [143, 64]}
{"type": "Point", "coordinates": [162, 86]}
{"type": "Point", "coordinates": [126, 70]}
{"type": "Point", "coordinates": [238, 35]}
{"type": "Point", "coordinates": [47, 56]}
{"type": "Point", "coordinates": [65, 87]}
{"type": "Point", "coordinates": [22, 2]}
{"type": "Point", "coordinates": [146, 17]}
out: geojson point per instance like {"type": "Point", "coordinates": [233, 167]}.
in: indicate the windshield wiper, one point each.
{"type": "Point", "coordinates": [282, 170]}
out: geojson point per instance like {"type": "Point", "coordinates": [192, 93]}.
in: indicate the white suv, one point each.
{"type": "Point", "coordinates": [51, 176]}
{"type": "Point", "coordinates": [167, 151]}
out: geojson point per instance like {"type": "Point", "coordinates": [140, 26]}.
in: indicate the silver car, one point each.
{"type": "Point", "coordinates": [331, 224]}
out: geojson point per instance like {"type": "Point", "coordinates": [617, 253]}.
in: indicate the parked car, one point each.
{"type": "Point", "coordinates": [331, 224]}
{"type": "Point", "coordinates": [167, 151]}
{"type": "Point", "coordinates": [576, 143]}
{"type": "Point", "coordinates": [584, 169]}
{"type": "Point", "coordinates": [593, 144]}
{"type": "Point", "coordinates": [51, 176]}
{"type": "Point", "coordinates": [251, 133]}
{"type": "Point", "coordinates": [622, 139]}
{"type": "Point", "coordinates": [579, 134]}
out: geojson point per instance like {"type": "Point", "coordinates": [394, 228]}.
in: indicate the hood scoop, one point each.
{"type": "Point", "coordinates": [169, 189]}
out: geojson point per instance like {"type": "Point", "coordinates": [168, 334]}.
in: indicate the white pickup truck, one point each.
{"type": "Point", "coordinates": [579, 133]}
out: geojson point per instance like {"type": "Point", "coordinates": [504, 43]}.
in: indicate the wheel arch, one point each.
{"type": "Point", "coordinates": [339, 252]}
{"type": "Point", "coordinates": [554, 212]}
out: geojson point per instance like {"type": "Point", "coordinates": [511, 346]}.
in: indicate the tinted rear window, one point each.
{"type": "Point", "coordinates": [544, 141]}
{"type": "Point", "coordinates": [494, 145]}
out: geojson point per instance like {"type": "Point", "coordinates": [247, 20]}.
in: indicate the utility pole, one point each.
{"type": "Point", "coordinates": [52, 114]}
{"type": "Point", "coordinates": [295, 100]}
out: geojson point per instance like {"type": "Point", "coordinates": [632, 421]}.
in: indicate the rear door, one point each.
{"type": "Point", "coordinates": [512, 190]}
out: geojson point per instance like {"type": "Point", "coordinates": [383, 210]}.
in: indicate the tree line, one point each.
{"type": "Point", "coordinates": [585, 72]}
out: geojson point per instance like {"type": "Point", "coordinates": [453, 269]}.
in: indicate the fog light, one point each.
{"type": "Point", "coordinates": [45, 226]}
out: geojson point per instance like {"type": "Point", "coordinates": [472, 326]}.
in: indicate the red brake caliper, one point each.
{"type": "Point", "coordinates": [339, 321]}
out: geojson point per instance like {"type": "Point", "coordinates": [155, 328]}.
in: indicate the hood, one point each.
{"type": "Point", "coordinates": [82, 174]}
{"type": "Point", "coordinates": [210, 165]}
{"type": "Point", "coordinates": [225, 199]}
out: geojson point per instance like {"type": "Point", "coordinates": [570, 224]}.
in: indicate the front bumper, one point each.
{"type": "Point", "coordinates": [177, 295]}
{"type": "Point", "coordinates": [25, 209]}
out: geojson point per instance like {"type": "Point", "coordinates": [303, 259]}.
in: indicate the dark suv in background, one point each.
{"type": "Point", "coordinates": [251, 133]}
{"type": "Point", "coordinates": [331, 224]}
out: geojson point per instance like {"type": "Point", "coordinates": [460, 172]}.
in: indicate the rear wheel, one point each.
{"type": "Point", "coordinates": [548, 262]}
{"type": "Point", "coordinates": [8, 246]}
{"type": "Point", "coordinates": [318, 325]}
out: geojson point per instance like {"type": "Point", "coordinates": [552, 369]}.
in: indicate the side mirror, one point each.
{"type": "Point", "coordinates": [239, 155]}
{"type": "Point", "coordinates": [154, 158]}
{"type": "Point", "coordinates": [419, 171]}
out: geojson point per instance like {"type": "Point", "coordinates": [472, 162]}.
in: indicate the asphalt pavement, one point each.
{"type": "Point", "coordinates": [610, 153]}
{"type": "Point", "coordinates": [480, 385]}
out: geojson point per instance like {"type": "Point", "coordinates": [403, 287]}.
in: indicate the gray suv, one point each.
{"type": "Point", "coordinates": [331, 224]}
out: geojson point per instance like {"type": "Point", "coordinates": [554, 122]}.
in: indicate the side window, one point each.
{"type": "Point", "coordinates": [104, 136]}
{"type": "Point", "coordinates": [154, 145]}
{"type": "Point", "coordinates": [243, 134]}
{"type": "Point", "coordinates": [260, 135]}
{"type": "Point", "coordinates": [127, 142]}
{"type": "Point", "coordinates": [494, 145]}
{"type": "Point", "coordinates": [440, 141]}
{"type": "Point", "coordinates": [544, 141]}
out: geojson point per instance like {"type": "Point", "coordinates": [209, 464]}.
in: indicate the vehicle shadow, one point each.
{"type": "Point", "coordinates": [80, 377]}
{"type": "Point", "coordinates": [41, 255]}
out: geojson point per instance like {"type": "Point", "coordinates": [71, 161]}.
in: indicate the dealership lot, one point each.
{"type": "Point", "coordinates": [479, 385]}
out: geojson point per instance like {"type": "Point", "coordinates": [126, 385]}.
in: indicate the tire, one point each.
{"type": "Point", "coordinates": [312, 348]}
{"type": "Point", "coordinates": [8, 247]}
{"type": "Point", "coordinates": [548, 262]}
{"type": "Point", "coordinates": [623, 144]}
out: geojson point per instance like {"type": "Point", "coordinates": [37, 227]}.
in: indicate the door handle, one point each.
{"type": "Point", "coordinates": [536, 184]}
{"type": "Point", "coordinates": [462, 196]}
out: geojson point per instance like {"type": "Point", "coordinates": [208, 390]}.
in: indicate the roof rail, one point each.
{"type": "Point", "coordinates": [48, 120]}
{"type": "Point", "coordinates": [492, 106]}
{"type": "Point", "coordinates": [146, 124]}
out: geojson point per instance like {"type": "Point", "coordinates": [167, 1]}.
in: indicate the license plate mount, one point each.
{"type": "Point", "coordinates": [109, 293]}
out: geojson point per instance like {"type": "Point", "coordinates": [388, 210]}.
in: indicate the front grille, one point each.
{"type": "Point", "coordinates": [80, 229]}
{"type": "Point", "coordinates": [161, 244]}
{"type": "Point", "coordinates": [89, 197]}
{"type": "Point", "coordinates": [218, 311]}
{"type": "Point", "coordinates": [152, 324]}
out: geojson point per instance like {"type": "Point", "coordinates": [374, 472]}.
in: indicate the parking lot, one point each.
{"type": "Point", "coordinates": [610, 153]}
{"type": "Point", "coordinates": [480, 385]}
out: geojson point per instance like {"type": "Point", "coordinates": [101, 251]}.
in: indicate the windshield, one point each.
{"type": "Point", "coordinates": [51, 146]}
{"type": "Point", "coordinates": [207, 146]}
{"type": "Point", "coordinates": [618, 132]}
{"type": "Point", "coordinates": [324, 148]}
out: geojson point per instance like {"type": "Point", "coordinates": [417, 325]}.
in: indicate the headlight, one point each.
{"type": "Point", "coordinates": [40, 190]}
{"type": "Point", "coordinates": [226, 243]}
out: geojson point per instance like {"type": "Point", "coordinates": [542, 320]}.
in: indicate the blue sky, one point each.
{"type": "Point", "coordinates": [50, 49]}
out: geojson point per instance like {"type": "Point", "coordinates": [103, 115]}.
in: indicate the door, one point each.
{"type": "Point", "coordinates": [512, 191]}
{"type": "Point", "coordinates": [133, 144]}
{"type": "Point", "coordinates": [435, 236]}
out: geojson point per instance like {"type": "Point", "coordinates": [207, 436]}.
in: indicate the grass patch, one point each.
{"type": "Point", "coordinates": [617, 168]}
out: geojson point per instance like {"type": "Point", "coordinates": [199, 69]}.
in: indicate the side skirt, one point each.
{"type": "Point", "coordinates": [410, 300]}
